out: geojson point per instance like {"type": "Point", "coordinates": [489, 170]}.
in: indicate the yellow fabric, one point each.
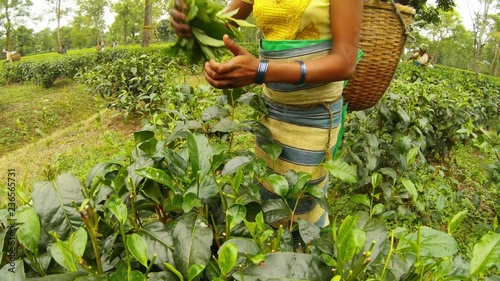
{"type": "Point", "coordinates": [312, 139]}
{"type": "Point", "coordinates": [292, 19]}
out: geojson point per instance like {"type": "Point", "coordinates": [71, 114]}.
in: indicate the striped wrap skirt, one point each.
{"type": "Point", "coordinates": [305, 120]}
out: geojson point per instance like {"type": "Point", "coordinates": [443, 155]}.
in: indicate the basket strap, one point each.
{"type": "Point", "coordinates": [400, 17]}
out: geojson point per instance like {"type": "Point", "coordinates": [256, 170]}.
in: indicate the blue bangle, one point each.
{"type": "Point", "coordinates": [303, 72]}
{"type": "Point", "coordinates": [261, 72]}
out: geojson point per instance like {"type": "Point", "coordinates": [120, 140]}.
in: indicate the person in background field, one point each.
{"type": "Point", "coordinates": [420, 58]}
{"type": "Point", "coordinates": [308, 50]}
{"type": "Point", "coordinates": [63, 49]}
{"type": "Point", "coordinates": [7, 55]}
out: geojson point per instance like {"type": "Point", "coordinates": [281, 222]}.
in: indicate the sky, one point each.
{"type": "Point", "coordinates": [464, 7]}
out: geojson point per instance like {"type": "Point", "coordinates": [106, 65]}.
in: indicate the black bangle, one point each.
{"type": "Point", "coordinates": [261, 72]}
{"type": "Point", "coordinates": [303, 72]}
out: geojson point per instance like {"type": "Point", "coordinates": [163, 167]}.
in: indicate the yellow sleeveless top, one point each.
{"type": "Point", "coordinates": [292, 19]}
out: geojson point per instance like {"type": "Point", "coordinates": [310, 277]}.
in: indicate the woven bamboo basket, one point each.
{"type": "Point", "coordinates": [383, 36]}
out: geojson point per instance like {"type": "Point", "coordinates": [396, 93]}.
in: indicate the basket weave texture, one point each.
{"type": "Point", "coordinates": [382, 40]}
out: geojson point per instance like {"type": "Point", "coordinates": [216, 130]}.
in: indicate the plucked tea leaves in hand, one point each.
{"type": "Point", "coordinates": [209, 22]}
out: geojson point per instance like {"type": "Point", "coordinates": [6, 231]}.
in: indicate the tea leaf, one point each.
{"type": "Point", "coordinates": [228, 254]}
{"type": "Point", "coordinates": [67, 253]}
{"type": "Point", "coordinates": [53, 202]}
{"type": "Point", "coordinates": [159, 240]}
{"type": "Point", "coordinates": [433, 243]}
{"type": "Point", "coordinates": [138, 248]}
{"type": "Point", "coordinates": [286, 266]}
{"type": "Point", "coordinates": [375, 231]}
{"type": "Point", "coordinates": [273, 150]}
{"type": "Point", "coordinates": [118, 209]}
{"type": "Point", "coordinates": [245, 246]}
{"type": "Point", "coordinates": [412, 155]}
{"type": "Point", "coordinates": [361, 199]}
{"type": "Point", "coordinates": [275, 210]}
{"type": "Point", "coordinates": [486, 253]}
{"type": "Point", "coordinates": [156, 175]}
{"type": "Point", "coordinates": [190, 201]}
{"type": "Point", "coordinates": [194, 271]}
{"type": "Point", "coordinates": [234, 164]}
{"type": "Point", "coordinates": [200, 153]}
{"type": "Point", "coordinates": [455, 221]}
{"type": "Point", "coordinates": [204, 39]}
{"type": "Point", "coordinates": [142, 136]}
{"type": "Point", "coordinates": [279, 184]}
{"type": "Point", "coordinates": [376, 179]}
{"type": "Point", "coordinates": [28, 233]}
{"type": "Point", "coordinates": [14, 271]}
{"type": "Point", "coordinates": [235, 214]}
{"type": "Point", "coordinates": [192, 242]}
{"type": "Point", "coordinates": [214, 112]}
{"type": "Point", "coordinates": [308, 231]}
{"type": "Point", "coordinates": [302, 179]}
{"type": "Point", "coordinates": [410, 187]}
{"type": "Point", "coordinates": [341, 170]}
{"type": "Point", "coordinates": [225, 125]}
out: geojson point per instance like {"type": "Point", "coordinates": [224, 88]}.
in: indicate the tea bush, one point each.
{"type": "Point", "coordinates": [184, 203]}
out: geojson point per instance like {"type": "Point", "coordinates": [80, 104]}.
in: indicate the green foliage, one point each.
{"type": "Point", "coordinates": [208, 24]}
{"type": "Point", "coordinates": [184, 204]}
{"type": "Point", "coordinates": [423, 115]}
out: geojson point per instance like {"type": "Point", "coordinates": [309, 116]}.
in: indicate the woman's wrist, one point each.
{"type": "Point", "coordinates": [303, 72]}
{"type": "Point", "coordinates": [260, 77]}
{"type": "Point", "coordinates": [281, 72]}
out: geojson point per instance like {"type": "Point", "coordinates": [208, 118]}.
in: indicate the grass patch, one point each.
{"type": "Point", "coordinates": [29, 112]}
{"type": "Point", "coordinates": [75, 149]}
{"type": "Point", "coordinates": [46, 132]}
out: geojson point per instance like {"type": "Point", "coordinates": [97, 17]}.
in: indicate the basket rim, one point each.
{"type": "Point", "coordinates": [384, 5]}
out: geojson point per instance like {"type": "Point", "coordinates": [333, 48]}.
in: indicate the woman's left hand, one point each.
{"type": "Point", "coordinates": [237, 72]}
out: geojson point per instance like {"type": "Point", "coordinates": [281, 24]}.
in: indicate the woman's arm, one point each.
{"type": "Point", "coordinates": [244, 9]}
{"type": "Point", "coordinates": [341, 62]}
{"type": "Point", "coordinates": [338, 65]}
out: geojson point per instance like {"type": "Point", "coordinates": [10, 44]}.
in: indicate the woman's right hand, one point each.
{"type": "Point", "coordinates": [178, 19]}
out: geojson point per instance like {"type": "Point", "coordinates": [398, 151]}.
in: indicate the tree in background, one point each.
{"type": "Point", "coordinates": [494, 45]}
{"type": "Point", "coordinates": [148, 21]}
{"type": "Point", "coordinates": [128, 16]}
{"type": "Point", "coordinates": [82, 33]}
{"type": "Point", "coordinates": [438, 32]}
{"type": "Point", "coordinates": [45, 40]}
{"type": "Point", "coordinates": [93, 10]}
{"type": "Point", "coordinates": [57, 10]}
{"type": "Point", "coordinates": [12, 10]}
{"type": "Point", "coordinates": [429, 14]}
{"type": "Point", "coordinates": [165, 31]}
{"type": "Point", "coordinates": [482, 24]}
{"type": "Point", "coordinates": [24, 40]}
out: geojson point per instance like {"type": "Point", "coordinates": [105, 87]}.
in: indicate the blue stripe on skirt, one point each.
{"type": "Point", "coordinates": [317, 116]}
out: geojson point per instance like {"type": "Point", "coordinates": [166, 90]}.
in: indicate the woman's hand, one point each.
{"type": "Point", "coordinates": [178, 22]}
{"type": "Point", "coordinates": [238, 72]}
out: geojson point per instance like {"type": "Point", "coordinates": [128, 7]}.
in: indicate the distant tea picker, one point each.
{"type": "Point", "coordinates": [420, 57]}
{"type": "Point", "coordinates": [11, 56]}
